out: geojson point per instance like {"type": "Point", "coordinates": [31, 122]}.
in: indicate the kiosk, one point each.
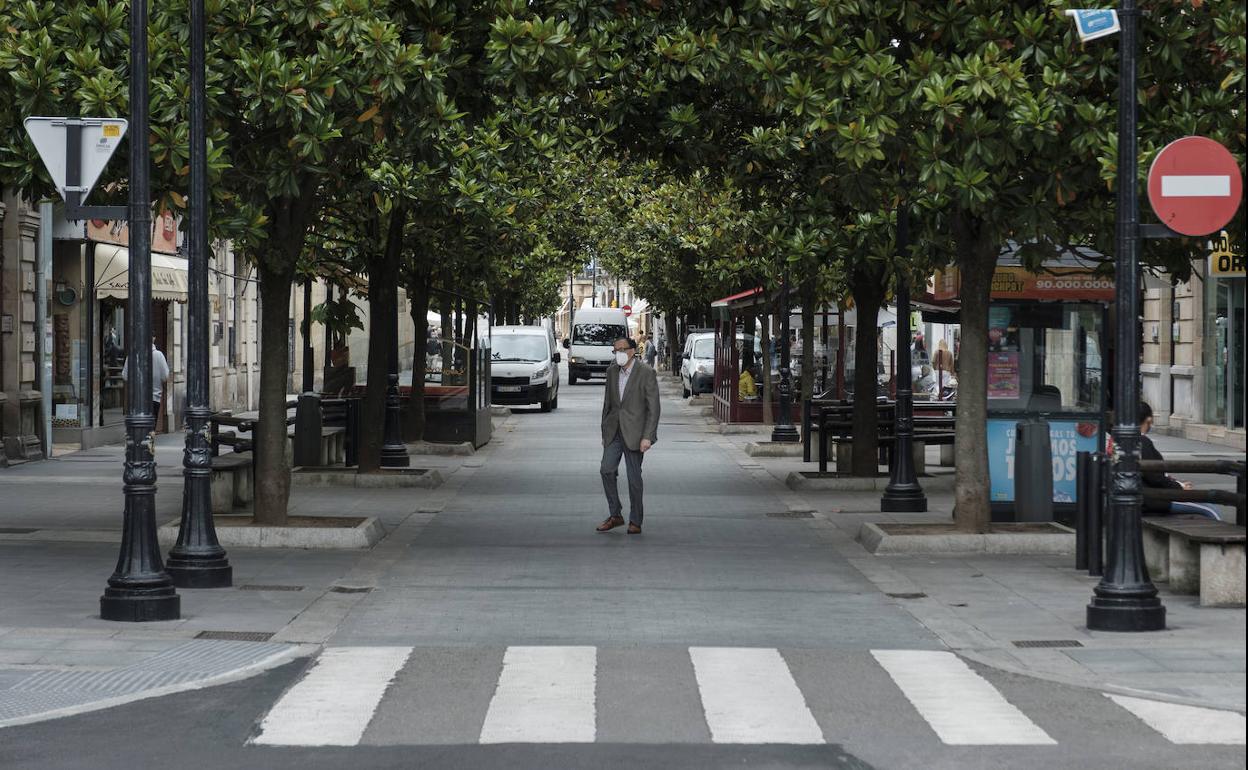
{"type": "Point", "coordinates": [1047, 359]}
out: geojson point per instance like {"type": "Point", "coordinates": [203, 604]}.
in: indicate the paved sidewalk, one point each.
{"type": "Point", "coordinates": [60, 524]}
{"type": "Point", "coordinates": [981, 606]}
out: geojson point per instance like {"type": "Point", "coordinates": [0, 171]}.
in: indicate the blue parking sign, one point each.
{"type": "Point", "coordinates": [1091, 24]}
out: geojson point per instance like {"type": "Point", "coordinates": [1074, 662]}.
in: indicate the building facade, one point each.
{"type": "Point", "coordinates": [1193, 349]}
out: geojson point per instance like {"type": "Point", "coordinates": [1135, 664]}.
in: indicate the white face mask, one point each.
{"type": "Point", "coordinates": [621, 358]}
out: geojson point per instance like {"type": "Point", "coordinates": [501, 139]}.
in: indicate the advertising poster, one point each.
{"type": "Point", "coordinates": [1004, 379]}
{"type": "Point", "coordinates": [1067, 437]}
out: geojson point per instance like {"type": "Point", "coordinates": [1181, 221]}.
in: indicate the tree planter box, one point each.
{"type": "Point", "coordinates": [835, 482]}
{"type": "Point", "coordinates": [331, 532]}
{"type": "Point", "coordinates": [386, 478]}
{"type": "Point", "coordinates": [1049, 538]}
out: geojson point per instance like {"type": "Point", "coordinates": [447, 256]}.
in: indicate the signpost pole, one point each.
{"type": "Point", "coordinates": [1125, 599]}
{"type": "Point", "coordinates": [140, 589]}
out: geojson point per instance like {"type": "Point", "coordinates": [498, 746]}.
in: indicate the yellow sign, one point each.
{"type": "Point", "coordinates": [112, 130]}
{"type": "Point", "coordinates": [1225, 261]}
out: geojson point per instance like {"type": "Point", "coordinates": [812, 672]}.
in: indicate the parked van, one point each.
{"type": "Point", "coordinates": [524, 367]}
{"type": "Point", "coordinates": [594, 331]}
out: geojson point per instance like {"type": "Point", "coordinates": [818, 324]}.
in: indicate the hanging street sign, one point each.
{"type": "Point", "coordinates": [98, 138]}
{"type": "Point", "coordinates": [1195, 186]}
{"type": "Point", "coordinates": [1091, 24]}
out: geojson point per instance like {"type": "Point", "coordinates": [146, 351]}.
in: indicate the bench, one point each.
{"type": "Point", "coordinates": [1197, 556]}
{"type": "Point", "coordinates": [233, 482]}
{"type": "Point", "coordinates": [333, 445]}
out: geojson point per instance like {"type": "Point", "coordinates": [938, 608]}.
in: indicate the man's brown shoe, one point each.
{"type": "Point", "coordinates": [633, 529]}
{"type": "Point", "coordinates": [611, 523]}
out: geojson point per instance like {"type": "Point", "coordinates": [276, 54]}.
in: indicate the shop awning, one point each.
{"type": "Point", "coordinates": [169, 274]}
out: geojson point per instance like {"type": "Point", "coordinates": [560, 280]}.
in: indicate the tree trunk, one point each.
{"type": "Point", "coordinates": [807, 294]}
{"type": "Point", "coordinates": [868, 292]}
{"type": "Point", "coordinates": [414, 415]}
{"type": "Point", "coordinates": [977, 261]}
{"type": "Point", "coordinates": [272, 482]}
{"type": "Point", "coordinates": [383, 305]}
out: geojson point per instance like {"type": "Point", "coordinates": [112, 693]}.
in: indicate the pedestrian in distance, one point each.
{"type": "Point", "coordinates": [160, 373]}
{"type": "Point", "coordinates": [630, 425]}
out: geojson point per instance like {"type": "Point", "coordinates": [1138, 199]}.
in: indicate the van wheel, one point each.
{"type": "Point", "coordinates": [571, 379]}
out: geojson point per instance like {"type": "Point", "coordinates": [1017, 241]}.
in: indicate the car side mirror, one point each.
{"type": "Point", "coordinates": [556, 358]}
{"type": "Point", "coordinates": [685, 356]}
{"type": "Point", "coordinates": [567, 343]}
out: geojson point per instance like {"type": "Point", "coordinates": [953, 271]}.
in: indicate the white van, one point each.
{"type": "Point", "coordinates": [524, 367]}
{"type": "Point", "coordinates": [594, 331]}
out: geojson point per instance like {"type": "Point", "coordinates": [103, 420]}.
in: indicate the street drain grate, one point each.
{"type": "Point", "coordinates": [350, 589]}
{"type": "Point", "coordinates": [236, 636]}
{"type": "Point", "coordinates": [1048, 643]}
{"type": "Point", "coordinates": [17, 530]}
{"type": "Point", "coordinates": [260, 587]}
{"type": "Point", "coordinates": [907, 596]}
{"type": "Point", "coordinates": [790, 515]}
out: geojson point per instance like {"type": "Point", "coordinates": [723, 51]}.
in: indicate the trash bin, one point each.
{"type": "Point", "coordinates": [1033, 471]}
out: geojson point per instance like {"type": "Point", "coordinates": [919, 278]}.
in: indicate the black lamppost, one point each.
{"type": "Point", "coordinates": [393, 450]}
{"type": "Point", "coordinates": [784, 432]}
{"type": "Point", "coordinates": [198, 560]}
{"type": "Point", "coordinates": [140, 589]}
{"type": "Point", "coordinates": [1125, 599]}
{"type": "Point", "coordinates": [903, 492]}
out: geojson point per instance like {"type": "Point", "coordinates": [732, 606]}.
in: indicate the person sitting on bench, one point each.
{"type": "Point", "coordinates": [1159, 480]}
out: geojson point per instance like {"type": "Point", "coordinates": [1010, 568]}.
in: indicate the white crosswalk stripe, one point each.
{"type": "Point", "coordinates": [333, 704]}
{"type": "Point", "coordinates": [727, 695]}
{"type": "Point", "coordinates": [961, 706]}
{"type": "Point", "coordinates": [544, 695]}
{"type": "Point", "coordinates": [1187, 724]}
{"type": "Point", "coordinates": [749, 696]}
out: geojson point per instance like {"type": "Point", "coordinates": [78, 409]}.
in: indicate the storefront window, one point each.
{"type": "Point", "coordinates": [1224, 352]}
{"type": "Point", "coordinates": [112, 358]}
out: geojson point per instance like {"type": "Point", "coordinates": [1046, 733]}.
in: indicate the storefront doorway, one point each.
{"type": "Point", "coordinates": [1224, 353]}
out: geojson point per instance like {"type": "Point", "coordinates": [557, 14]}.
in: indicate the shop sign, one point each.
{"type": "Point", "coordinates": [1013, 282]}
{"type": "Point", "coordinates": [1225, 261]}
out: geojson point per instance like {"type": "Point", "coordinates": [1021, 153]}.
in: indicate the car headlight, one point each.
{"type": "Point", "coordinates": [577, 360]}
{"type": "Point", "coordinates": [541, 374]}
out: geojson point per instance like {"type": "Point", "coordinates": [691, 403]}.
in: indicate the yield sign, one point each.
{"type": "Point", "coordinates": [98, 138]}
{"type": "Point", "coordinates": [1195, 186]}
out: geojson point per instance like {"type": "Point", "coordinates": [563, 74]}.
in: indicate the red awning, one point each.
{"type": "Point", "coordinates": [743, 295]}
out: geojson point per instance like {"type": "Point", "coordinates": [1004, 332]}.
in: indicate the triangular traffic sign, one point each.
{"type": "Point", "coordinates": [99, 138]}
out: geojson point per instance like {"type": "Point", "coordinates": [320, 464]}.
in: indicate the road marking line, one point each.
{"type": "Point", "coordinates": [1195, 186]}
{"type": "Point", "coordinates": [334, 702]}
{"type": "Point", "coordinates": [544, 695]}
{"type": "Point", "coordinates": [749, 696]}
{"type": "Point", "coordinates": [1186, 724]}
{"type": "Point", "coordinates": [961, 706]}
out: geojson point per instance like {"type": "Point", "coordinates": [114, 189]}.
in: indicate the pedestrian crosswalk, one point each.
{"type": "Point", "coordinates": [721, 695]}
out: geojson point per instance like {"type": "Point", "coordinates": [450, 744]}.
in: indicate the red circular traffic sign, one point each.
{"type": "Point", "coordinates": [628, 311]}
{"type": "Point", "coordinates": [1195, 186]}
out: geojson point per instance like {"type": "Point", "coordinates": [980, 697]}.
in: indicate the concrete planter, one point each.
{"type": "Point", "coordinates": [389, 478]}
{"type": "Point", "coordinates": [1048, 538]}
{"type": "Point", "coordinates": [462, 449]}
{"type": "Point", "coordinates": [772, 449]}
{"type": "Point", "coordinates": [237, 531]}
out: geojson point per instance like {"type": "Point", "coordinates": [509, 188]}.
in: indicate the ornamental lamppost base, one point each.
{"type": "Point", "coordinates": [903, 498]}
{"type": "Point", "coordinates": [139, 605]}
{"type": "Point", "coordinates": [785, 434]}
{"type": "Point", "coordinates": [1126, 613]}
{"type": "Point", "coordinates": [200, 571]}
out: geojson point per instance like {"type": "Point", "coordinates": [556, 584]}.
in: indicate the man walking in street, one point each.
{"type": "Point", "coordinates": [630, 424]}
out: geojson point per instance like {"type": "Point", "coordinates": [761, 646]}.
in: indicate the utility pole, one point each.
{"type": "Point", "coordinates": [197, 560]}
{"type": "Point", "coordinates": [140, 589]}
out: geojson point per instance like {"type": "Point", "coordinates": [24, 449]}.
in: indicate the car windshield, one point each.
{"type": "Point", "coordinates": [598, 334]}
{"type": "Point", "coordinates": [704, 348]}
{"type": "Point", "coordinates": [519, 347]}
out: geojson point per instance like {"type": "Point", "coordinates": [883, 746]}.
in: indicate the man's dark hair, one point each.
{"type": "Point", "coordinates": [1146, 412]}
{"type": "Point", "coordinates": [632, 343]}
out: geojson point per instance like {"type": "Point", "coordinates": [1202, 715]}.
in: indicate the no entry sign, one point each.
{"type": "Point", "coordinates": [1195, 186]}
{"type": "Point", "coordinates": [628, 310]}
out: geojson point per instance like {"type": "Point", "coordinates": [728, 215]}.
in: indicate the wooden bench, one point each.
{"type": "Point", "coordinates": [1197, 556]}
{"type": "Point", "coordinates": [333, 445]}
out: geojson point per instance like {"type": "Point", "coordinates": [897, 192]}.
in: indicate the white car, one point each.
{"type": "Point", "coordinates": [524, 367]}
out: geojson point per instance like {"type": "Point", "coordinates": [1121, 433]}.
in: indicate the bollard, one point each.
{"type": "Point", "coordinates": [1096, 506]}
{"type": "Point", "coordinates": [352, 441]}
{"type": "Point", "coordinates": [1082, 493]}
{"type": "Point", "coordinates": [1241, 486]}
